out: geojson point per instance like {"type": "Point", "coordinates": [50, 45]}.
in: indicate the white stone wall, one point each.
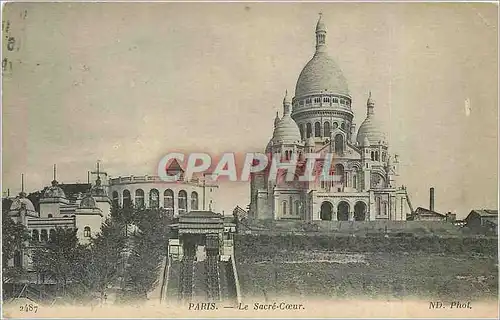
{"type": "Point", "coordinates": [210, 193]}
{"type": "Point", "coordinates": [92, 221]}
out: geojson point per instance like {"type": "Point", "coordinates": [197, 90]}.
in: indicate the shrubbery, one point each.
{"type": "Point", "coordinates": [261, 245]}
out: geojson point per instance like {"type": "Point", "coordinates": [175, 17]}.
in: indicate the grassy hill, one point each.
{"type": "Point", "coordinates": [405, 260]}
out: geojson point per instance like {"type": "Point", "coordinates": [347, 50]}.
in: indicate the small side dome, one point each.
{"type": "Point", "coordinates": [21, 202]}
{"type": "Point", "coordinates": [88, 202]}
{"type": "Point", "coordinates": [54, 191]}
{"type": "Point", "coordinates": [286, 131]}
{"type": "Point", "coordinates": [371, 128]}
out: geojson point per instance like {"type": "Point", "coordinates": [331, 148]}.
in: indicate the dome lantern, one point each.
{"type": "Point", "coordinates": [276, 119]}
{"type": "Point", "coordinates": [287, 104]}
{"type": "Point", "coordinates": [370, 105]}
{"type": "Point", "coordinates": [320, 35]}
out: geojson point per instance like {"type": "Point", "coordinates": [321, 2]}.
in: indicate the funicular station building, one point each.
{"type": "Point", "coordinates": [201, 264]}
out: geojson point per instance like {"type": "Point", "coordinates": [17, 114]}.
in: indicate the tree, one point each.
{"type": "Point", "coordinates": [124, 214]}
{"type": "Point", "coordinates": [149, 247]}
{"type": "Point", "coordinates": [14, 238]}
{"type": "Point", "coordinates": [103, 260]}
{"type": "Point", "coordinates": [59, 258]}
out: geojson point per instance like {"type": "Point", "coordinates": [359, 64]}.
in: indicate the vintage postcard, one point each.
{"type": "Point", "coordinates": [249, 159]}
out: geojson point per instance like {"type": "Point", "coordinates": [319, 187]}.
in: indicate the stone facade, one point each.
{"type": "Point", "coordinates": [152, 192]}
{"type": "Point", "coordinates": [319, 119]}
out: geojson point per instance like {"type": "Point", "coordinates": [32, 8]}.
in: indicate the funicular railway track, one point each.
{"type": "Point", "coordinates": [187, 274]}
{"type": "Point", "coordinates": [212, 267]}
{"type": "Point", "coordinates": [201, 266]}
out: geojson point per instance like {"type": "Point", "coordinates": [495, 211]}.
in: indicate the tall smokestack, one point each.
{"type": "Point", "coordinates": [431, 199]}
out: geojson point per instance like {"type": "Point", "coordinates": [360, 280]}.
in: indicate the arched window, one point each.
{"type": "Point", "coordinates": [43, 235]}
{"type": "Point", "coordinates": [372, 156]}
{"type": "Point", "coordinates": [335, 125]}
{"type": "Point", "coordinates": [52, 234]}
{"type": "Point", "coordinates": [339, 173]}
{"type": "Point", "coordinates": [309, 130]}
{"type": "Point", "coordinates": [168, 201]}
{"type": "Point", "coordinates": [342, 126]}
{"type": "Point", "coordinates": [115, 199]}
{"type": "Point", "coordinates": [301, 128]}
{"type": "Point", "coordinates": [376, 155]}
{"type": "Point", "coordinates": [379, 209]}
{"type": "Point", "coordinates": [50, 215]}
{"type": "Point", "coordinates": [339, 143]}
{"type": "Point", "coordinates": [154, 199]}
{"type": "Point", "coordinates": [343, 211]}
{"type": "Point", "coordinates": [182, 202]}
{"type": "Point", "coordinates": [139, 198]}
{"type": "Point", "coordinates": [354, 181]}
{"type": "Point", "coordinates": [127, 201]}
{"type": "Point", "coordinates": [297, 207]}
{"type": "Point", "coordinates": [317, 129]}
{"type": "Point", "coordinates": [194, 200]}
{"type": "Point", "coordinates": [86, 232]}
{"type": "Point", "coordinates": [283, 207]}
{"type": "Point", "coordinates": [326, 99]}
{"type": "Point", "coordinates": [326, 211]}
{"type": "Point", "coordinates": [35, 236]}
{"type": "Point", "coordinates": [326, 129]}
{"type": "Point", "coordinates": [383, 156]}
{"type": "Point", "coordinates": [384, 208]}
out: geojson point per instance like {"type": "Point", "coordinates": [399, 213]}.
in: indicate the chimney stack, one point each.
{"type": "Point", "coordinates": [431, 199]}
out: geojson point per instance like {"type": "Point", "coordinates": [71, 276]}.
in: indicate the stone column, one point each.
{"type": "Point", "coordinates": [275, 206]}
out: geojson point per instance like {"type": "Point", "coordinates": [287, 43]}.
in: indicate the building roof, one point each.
{"type": "Point", "coordinates": [54, 191]}
{"type": "Point", "coordinates": [286, 131]}
{"type": "Point", "coordinates": [424, 211]}
{"type": "Point", "coordinates": [486, 213]}
{"type": "Point", "coordinates": [21, 202]}
{"type": "Point", "coordinates": [321, 74]}
{"type": "Point", "coordinates": [200, 214]}
{"type": "Point", "coordinates": [370, 132]}
{"type": "Point", "coordinates": [88, 202]}
{"type": "Point", "coordinates": [73, 189]}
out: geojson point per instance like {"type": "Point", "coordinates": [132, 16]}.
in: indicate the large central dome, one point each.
{"type": "Point", "coordinates": [321, 74]}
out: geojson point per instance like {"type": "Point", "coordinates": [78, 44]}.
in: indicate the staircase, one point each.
{"type": "Point", "coordinates": [36, 294]}
{"type": "Point", "coordinates": [200, 284]}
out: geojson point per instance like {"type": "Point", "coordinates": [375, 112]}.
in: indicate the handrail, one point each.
{"type": "Point", "coordinates": [166, 275]}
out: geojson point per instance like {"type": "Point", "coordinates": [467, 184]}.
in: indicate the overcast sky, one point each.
{"type": "Point", "coordinates": [127, 83]}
